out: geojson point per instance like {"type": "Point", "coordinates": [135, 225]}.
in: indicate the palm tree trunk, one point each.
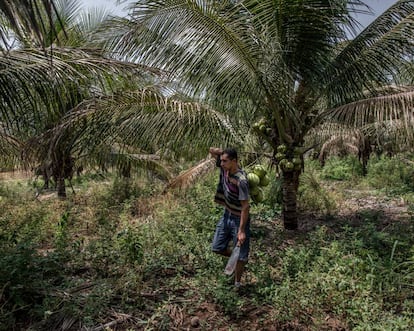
{"type": "Point", "coordinates": [62, 169]}
{"type": "Point", "coordinates": [290, 186]}
{"type": "Point", "coordinates": [61, 187]}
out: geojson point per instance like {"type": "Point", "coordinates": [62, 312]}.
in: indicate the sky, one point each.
{"type": "Point", "coordinates": [116, 9]}
{"type": "Point", "coordinates": [378, 7]}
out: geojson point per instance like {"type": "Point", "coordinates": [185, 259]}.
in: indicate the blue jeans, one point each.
{"type": "Point", "coordinates": [226, 231]}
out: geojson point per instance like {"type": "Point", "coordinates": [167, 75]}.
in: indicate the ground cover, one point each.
{"type": "Point", "coordinates": [124, 255]}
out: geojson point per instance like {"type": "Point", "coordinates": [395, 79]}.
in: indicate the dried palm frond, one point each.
{"type": "Point", "coordinates": [188, 177]}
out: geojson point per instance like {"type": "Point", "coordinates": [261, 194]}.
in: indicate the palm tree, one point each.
{"type": "Point", "coordinates": [83, 104]}
{"type": "Point", "coordinates": [296, 64]}
{"type": "Point", "coordinates": [45, 75]}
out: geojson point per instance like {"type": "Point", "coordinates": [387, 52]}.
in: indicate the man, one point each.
{"type": "Point", "coordinates": [233, 194]}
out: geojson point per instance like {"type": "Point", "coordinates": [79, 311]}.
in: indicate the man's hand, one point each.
{"type": "Point", "coordinates": [214, 151]}
{"type": "Point", "coordinates": [241, 237]}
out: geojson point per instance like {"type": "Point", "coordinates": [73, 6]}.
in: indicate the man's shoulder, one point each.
{"type": "Point", "coordinates": [241, 174]}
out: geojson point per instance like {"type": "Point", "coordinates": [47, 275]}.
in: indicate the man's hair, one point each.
{"type": "Point", "coordinates": [231, 153]}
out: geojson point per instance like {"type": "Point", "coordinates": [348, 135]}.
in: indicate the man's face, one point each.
{"type": "Point", "coordinates": [226, 163]}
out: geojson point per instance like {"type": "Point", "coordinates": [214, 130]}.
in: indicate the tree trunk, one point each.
{"type": "Point", "coordinates": [290, 186]}
{"type": "Point", "coordinates": [61, 187]}
{"type": "Point", "coordinates": [62, 169]}
{"type": "Point", "coordinates": [364, 153]}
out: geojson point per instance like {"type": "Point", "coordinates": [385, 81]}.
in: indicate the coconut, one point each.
{"type": "Point", "coordinates": [259, 170]}
{"type": "Point", "coordinates": [282, 148]}
{"type": "Point", "coordinates": [253, 190]}
{"type": "Point", "coordinates": [259, 197]}
{"type": "Point", "coordinates": [280, 156]}
{"type": "Point", "coordinates": [256, 126]}
{"type": "Point", "coordinates": [289, 166]}
{"type": "Point", "coordinates": [282, 162]}
{"type": "Point", "coordinates": [264, 181]}
{"type": "Point", "coordinates": [253, 179]}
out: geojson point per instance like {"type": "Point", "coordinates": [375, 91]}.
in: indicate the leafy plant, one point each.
{"type": "Point", "coordinates": [391, 174]}
{"type": "Point", "coordinates": [314, 197]}
{"type": "Point", "coordinates": [341, 168]}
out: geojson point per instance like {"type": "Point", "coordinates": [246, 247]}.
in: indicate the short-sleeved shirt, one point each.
{"type": "Point", "coordinates": [231, 190]}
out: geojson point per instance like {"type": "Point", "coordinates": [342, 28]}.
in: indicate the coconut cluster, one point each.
{"type": "Point", "coordinates": [262, 127]}
{"type": "Point", "coordinates": [288, 164]}
{"type": "Point", "coordinates": [257, 179]}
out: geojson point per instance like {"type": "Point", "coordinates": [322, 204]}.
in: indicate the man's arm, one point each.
{"type": "Point", "coordinates": [214, 151]}
{"type": "Point", "coordinates": [241, 235]}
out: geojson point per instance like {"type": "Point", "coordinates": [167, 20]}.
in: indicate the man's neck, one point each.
{"type": "Point", "coordinates": [234, 170]}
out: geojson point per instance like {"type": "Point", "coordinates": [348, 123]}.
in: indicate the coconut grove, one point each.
{"type": "Point", "coordinates": [106, 190]}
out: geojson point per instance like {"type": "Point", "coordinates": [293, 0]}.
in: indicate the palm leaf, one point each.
{"type": "Point", "coordinates": [374, 58]}
{"type": "Point", "coordinates": [148, 119]}
{"type": "Point", "coordinates": [30, 20]}
{"type": "Point", "coordinates": [10, 149]}
{"type": "Point", "coordinates": [188, 177]}
{"type": "Point", "coordinates": [395, 106]}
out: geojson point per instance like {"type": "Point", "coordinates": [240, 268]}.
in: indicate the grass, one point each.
{"type": "Point", "coordinates": [124, 252]}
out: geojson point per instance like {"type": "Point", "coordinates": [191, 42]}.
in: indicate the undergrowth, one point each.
{"type": "Point", "coordinates": [124, 249]}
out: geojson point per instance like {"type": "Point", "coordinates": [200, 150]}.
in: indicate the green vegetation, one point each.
{"type": "Point", "coordinates": [342, 168]}
{"type": "Point", "coordinates": [146, 95]}
{"type": "Point", "coordinates": [124, 252]}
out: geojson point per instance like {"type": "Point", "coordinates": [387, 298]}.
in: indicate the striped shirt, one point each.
{"type": "Point", "coordinates": [232, 189]}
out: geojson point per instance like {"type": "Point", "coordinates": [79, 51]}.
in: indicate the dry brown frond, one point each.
{"type": "Point", "coordinates": [191, 175]}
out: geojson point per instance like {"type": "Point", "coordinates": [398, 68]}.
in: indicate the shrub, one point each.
{"type": "Point", "coordinates": [391, 174]}
{"type": "Point", "coordinates": [27, 278]}
{"type": "Point", "coordinates": [312, 196]}
{"type": "Point", "coordinates": [341, 168]}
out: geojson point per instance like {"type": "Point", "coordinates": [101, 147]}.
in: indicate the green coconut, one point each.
{"type": "Point", "coordinates": [259, 170]}
{"type": "Point", "coordinates": [280, 156]}
{"type": "Point", "coordinates": [282, 162]}
{"type": "Point", "coordinates": [259, 197]}
{"type": "Point", "coordinates": [253, 190]}
{"type": "Point", "coordinates": [264, 181]}
{"type": "Point", "coordinates": [289, 166]}
{"type": "Point", "coordinates": [253, 179]}
{"type": "Point", "coordinates": [256, 126]}
{"type": "Point", "coordinates": [282, 148]}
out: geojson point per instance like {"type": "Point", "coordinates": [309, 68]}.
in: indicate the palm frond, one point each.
{"type": "Point", "coordinates": [10, 149]}
{"type": "Point", "coordinates": [221, 55]}
{"type": "Point", "coordinates": [121, 159]}
{"type": "Point", "coordinates": [188, 177]}
{"type": "Point", "coordinates": [152, 121]}
{"type": "Point", "coordinates": [375, 57]}
{"type": "Point", "coordinates": [391, 107]}
{"type": "Point", "coordinates": [32, 76]}
{"type": "Point", "coordinates": [30, 20]}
